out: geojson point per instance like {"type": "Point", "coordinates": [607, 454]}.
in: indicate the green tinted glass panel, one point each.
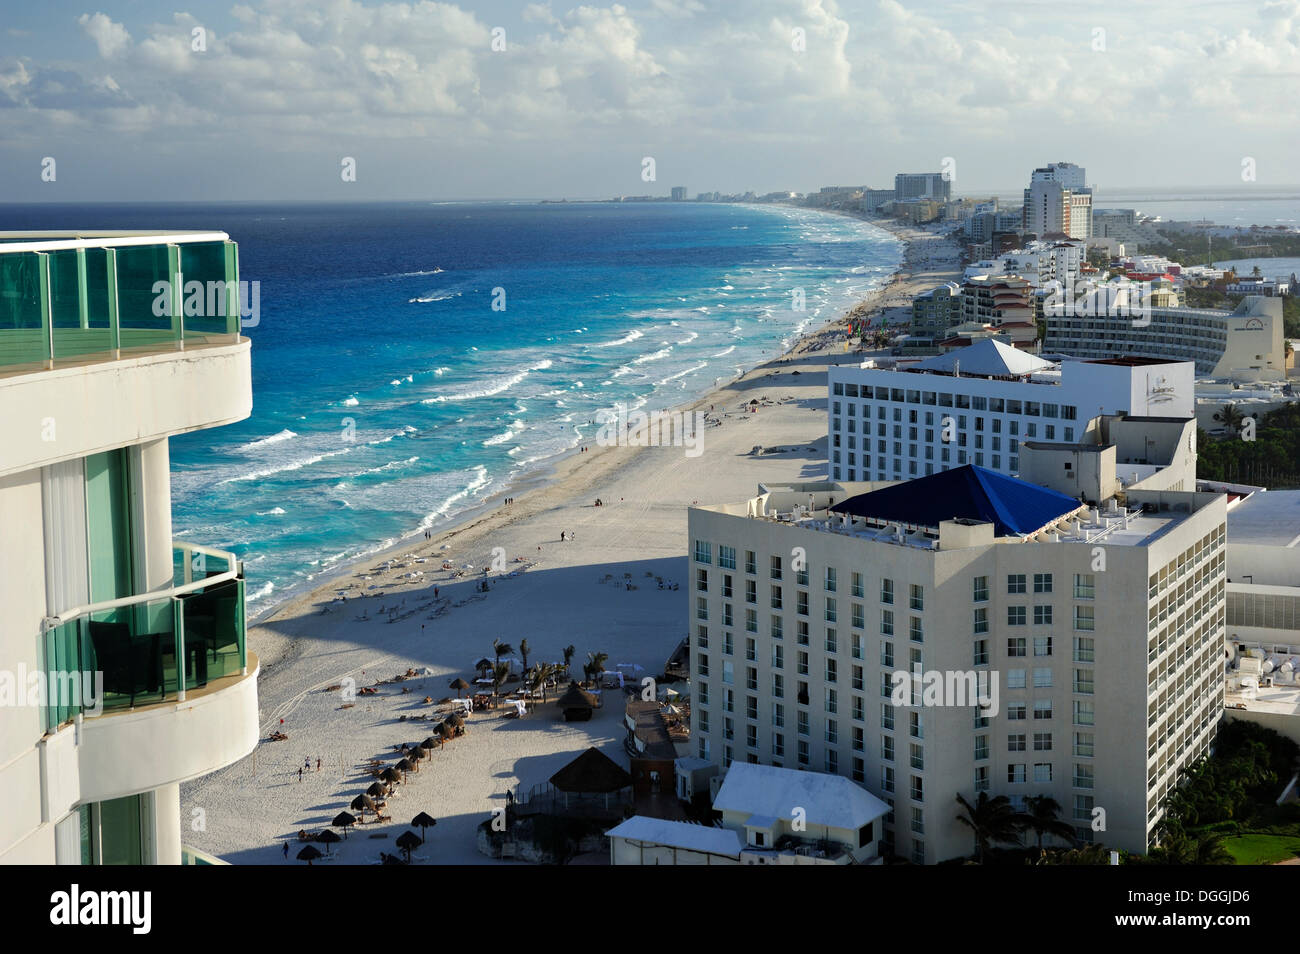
{"type": "Point", "coordinates": [108, 526]}
{"type": "Point", "coordinates": [97, 313]}
{"type": "Point", "coordinates": [65, 294]}
{"type": "Point", "coordinates": [203, 268]}
{"type": "Point", "coordinates": [120, 835]}
{"type": "Point", "coordinates": [22, 337]}
{"type": "Point", "coordinates": [139, 270]}
{"type": "Point", "coordinates": [73, 334]}
{"type": "Point", "coordinates": [135, 649]}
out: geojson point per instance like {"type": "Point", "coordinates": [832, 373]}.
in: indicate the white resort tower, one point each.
{"type": "Point", "coordinates": [123, 665]}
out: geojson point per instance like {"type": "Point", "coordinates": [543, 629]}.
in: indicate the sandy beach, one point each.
{"type": "Point", "coordinates": [554, 594]}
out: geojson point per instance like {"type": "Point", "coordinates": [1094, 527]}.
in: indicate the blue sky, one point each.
{"type": "Point", "coordinates": [759, 94]}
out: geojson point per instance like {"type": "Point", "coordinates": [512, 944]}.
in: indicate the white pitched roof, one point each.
{"type": "Point", "coordinates": [675, 834]}
{"type": "Point", "coordinates": [825, 799]}
{"type": "Point", "coordinates": [986, 356]}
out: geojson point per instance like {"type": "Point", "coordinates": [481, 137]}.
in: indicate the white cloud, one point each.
{"type": "Point", "coordinates": [111, 38]}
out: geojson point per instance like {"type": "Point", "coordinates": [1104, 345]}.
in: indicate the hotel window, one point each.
{"type": "Point", "coordinates": [1016, 646]}
{"type": "Point", "coordinates": [726, 615]}
{"type": "Point", "coordinates": [778, 714]}
{"type": "Point", "coordinates": [803, 752]}
{"type": "Point", "coordinates": [776, 597]}
{"type": "Point", "coordinates": [726, 557]}
{"type": "Point", "coordinates": [702, 582]}
{"type": "Point", "coordinates": [887, 622]}
{"type": "Point", "coordinates": [856, 585]}
{"type": "Point", "coordinates": [886, 654]}
{"type": "Point", "coordinates": [702, 637]}
{"type": "Point", "coordinates": [887, 685]}
{"type": "Point", "coordinates": [728, 672]}
{"type": "Point", "coordinates": [1015, 679]}
{"type": "Point", "coordinates": [701, 607]}
{"type": "Point", "coordinates": [859, 619]}
{"type": "Point", "coordinates": [918, 789]}
{"type": "Point", "coordinates": [803, 664]}
{"type": "Point", "coordinates": [704, 749]}
{"type": "Point", "coordinates": [802, 635]}
{"type": "Point", "coordinates": [832, 641]}
{"type": "Point", "coordinates": [916, 597]}
{"type": "Point", "coordinates": [916, 727]}
{"type": "Point", "coordinates": [1084, 714]}
{"type": "Point", "coordinates": [1069, 435]}
{"type": "Point", "coordinates": [1016, 773]}
{"type": "Point", "coordinates": [750, 652]}
{"type": "Point", "coordinates": [856, 674]}
{"type": "Point", "coordinates": [776, 568]}
{"type": "Point", "coordinates": [831, 611]}
{"type": "Point", "coordinates": [859, 709]}
{"type": "Point", "coordinates": [981, 778]}
{"type": "Point", "coordinates": [981, 620]}
{"type": "Point", "coordinates": [1042, 678]}
{"type": "Point", "coordinates": [917, 755]}
{"type": "Point", "coordinates": [886, 716]}
{"type": "Point", "coordinates": [857, 646]}
{"type": "Point", "coordinates": [1015, 616]}
{"type": "Point", "coordinates": [887, 748]}
{"type": "Point", "coordinates": [887, 592]}
{"type": "Point", "coordinates": [801, 576]}
{"type": "Point", "coordinates": [751, 736]}
{"type": "Point", "coordinates": [832, 672]}
{"type": "Point", "coordinates": [1016, 712]}
{"type": "Point", "coordinates": [751, 590]}
{"type": "Point", "coordinates": [1015, 583]}
{"type": "Point", "coordinates": [1042, 582]}
{"type": "Point", "coordinates": [702, 664]}
{"type": "Point", "coordinates": [802, 720]}
{"type": "Point", "coordinates": [801, 603]}
{"type": "Point", "coordinates": [1083, 618]}
{"type": "Point", "coordinates": [887, 778]}
{"type": "Point", "coordinates": [1083, 681]}
{"type": "Point", "coordinates": [1042, 771]}
{"type": "Point", "coordinates": [1042, 645]}
{"type": "Point", "coordinates": [1016, 743]}
{"type": "Point", "coordinates": [1083, 649]}
{"type": "Point", "coordinates": [1043, 615]}
{"type": "Point", "coordinates": [751, 562]}
{"type": "Point", "coordinates": [914, 630]}
{"type": "Point", "coordinates": [703, 693]}
{"type": "Point", "coordinates": [751, 621]}
{"type": "Point", "coordinates": [830, 580]}
{"type": "Point", "coordinates": [918, 825]}
{"type": "Point", "coordinates": [728, 729]}
{"type": "Point", "coordinates": [778, 627]}
{"type": "Point", "coordinates": [703, 551]}
{"type": "Point", "coordinates": [778, 657]}
{"type": "Point", "coordinates": [832, 732]}
{"type": "Point", "coordinates": [1083, 776]}
{"type": "Point", "coordinates": [1042, 741]}
{"type": "Point", "coordinates": [1085, 586]}
{"type": "Point", "coordinates": [832, 762]}
{"type": "Point", "coordinates": [981, 655]}
{"type": "Point", "coordinates": [703, 722]}
{"type": "Point", "coordinates": [981, 747]}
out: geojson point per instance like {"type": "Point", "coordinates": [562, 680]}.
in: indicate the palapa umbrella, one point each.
{"type": "Point", "coordinates": [309, 854]}
{"type": "Point", "coordinates": [429, 744]}
{"type": "Point", "coordinates": [404, 766]}
{"type": "Point", "coordinates": [329, 838]}
{"type": "Point", "coordinates": [424, 821]}
{"type": "Point", "coordinates": [389, 775]}
{"type": "Point", "coordinates": [344, 820]}
{"type": "Point", "coordinates": [418, 754]}
{"type": "Point", "coordinates": [364, 803]}
{"type": "Point", "coordinates": [460, 684]}
{"type": "Point", "coordinates": [376, 790]}
{"type": "Point", "coordinates": [407, 841]}
{"type": "Point", "coordinates": [443, 729]}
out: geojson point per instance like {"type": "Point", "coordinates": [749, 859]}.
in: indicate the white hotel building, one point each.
{"type": "Point", "coordinates": [1109, 668]}
{"type": "Point", "coordinates": [889, 424]}
{"type": "Point", "coordinates": [92, 385]}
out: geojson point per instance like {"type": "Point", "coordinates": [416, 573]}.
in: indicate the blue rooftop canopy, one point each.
{"type": "Point", "coordinates": [1014, 507]}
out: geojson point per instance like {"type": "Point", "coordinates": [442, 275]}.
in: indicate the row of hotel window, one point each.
{"type": "Point", "coordinates": [1017, 615]}
{"type": "Point", "coordinates": [944, 421]}
{"type": "Point", "coordinates": [975, 402]}
{"type": "Point", "coordinates": [1016, 646]}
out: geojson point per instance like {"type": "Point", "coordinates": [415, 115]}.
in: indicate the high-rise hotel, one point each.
{"type": "Point", "coordinates": [1098, 631]}
{"type": "Point", "coordinates": [123, 665]}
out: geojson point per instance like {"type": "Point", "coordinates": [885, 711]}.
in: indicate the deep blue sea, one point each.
{"type": "Point", "coordinates": [389, 396]}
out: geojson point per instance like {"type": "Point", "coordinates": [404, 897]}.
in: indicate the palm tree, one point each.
{"type": "Point", "coordinates": [1043, 816]}
{"type": "Point", "coordinates": [500, 649]}
{"type": "Point", "coordinates": [1230, 417]}
{"type": "Point", "coordinates": [499, 673]}
{"type": "Point", "coordinates": [523, 651]}
{"type": "Point", "coordinates": [990, 819]}
{"type": "Point", "coordinates": [597, 663]}
{"type": "Point", "coordinates": [568, 656]}
{"type": "Point", "coordinates": [538, 677]}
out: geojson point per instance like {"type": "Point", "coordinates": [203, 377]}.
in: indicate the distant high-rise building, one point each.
{"type": "Point", "coordinates": [922, 185]}
{"type": "Point", "coordinates": [679, 193]}
{"type": "Point", "coordinates": [1058, 201]}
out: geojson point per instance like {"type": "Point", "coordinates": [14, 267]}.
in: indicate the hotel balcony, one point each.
{"type": "Point", "coordinates": [178, 696]}
{"type": "Point", "coordinates": [112, 338]}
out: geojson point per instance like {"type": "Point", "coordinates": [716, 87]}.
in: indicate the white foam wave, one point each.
{"type": "Point", "coordinates": [284, 435]}
{"type": "Point", "coordinates": [501, 385]}
{"type": "Point", "coordinates": [626, 339]}
{"type": "Point", "coordinates": [282, 468]}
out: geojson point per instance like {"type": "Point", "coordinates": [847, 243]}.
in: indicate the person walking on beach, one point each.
{"type": "Point", "coordinates": [300, 775]}
{"type": "Point", "coordinates": [286, 851]}
{"type": "Point", "coordinates": [318, 763]}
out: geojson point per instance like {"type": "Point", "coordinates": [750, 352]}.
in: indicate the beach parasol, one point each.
{"type": "Point", "coordinates": [418, 754]}
{"type": "Point", "coordinates": [364, 803]}
{"type": "Point", "coordinates": [329, 838]}
{"type": "Point", "coordinates": [429, 744]}
{"type": "Point", "coordinates": [405, 765]}
{"type": "Point", "coordinates": [407, 841]}
{"type": "Point", "coordinates": [344, 820]}
{"type": "Point", "coordinates": [389, 775]}
{"type": "Point", "coordinates": [423, 822]}
{"type": "Point", "coordinates": [309, 854]}
{"type": "Point", "coordinates": [377, 790]}
{"type": "Point", "coordinates": [459, 685]}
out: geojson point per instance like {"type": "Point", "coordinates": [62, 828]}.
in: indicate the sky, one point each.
{"type": "Point", "coordinates": [269, 99]}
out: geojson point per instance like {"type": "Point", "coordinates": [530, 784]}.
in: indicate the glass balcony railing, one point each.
{"type": "Point", "coordinates": [62, 298]}
{"type": "Point", "coordinates": [152, 647]}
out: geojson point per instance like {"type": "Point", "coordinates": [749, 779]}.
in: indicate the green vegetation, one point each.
{"type": "Point", "coordinates": [1272, 459]}
{"type": "Point", "coordinates": [1262, 849]}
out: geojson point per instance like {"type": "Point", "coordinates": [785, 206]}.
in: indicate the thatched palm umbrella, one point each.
{"type": "Point", "coordinates": [429, 744]}
{"type": "Point", "coordinates": [418, 754]}
{"type": "Point", "coordinates": [329, 838]}
{"type": "Point", "coordinates": [364, 803]}
{"type": "Point", "coordinates": [344, 820]}
{"type": "Point", "coordinates": [460, 685]}
{"type": "Point", "coordinates": [309, 854]}
{"type": "Point", "coordinates": [424, 821]}
{"type": "Point", "coordinates": [377, 790]}
{"type": "Point", "coordinates": [404, 766]}
{"type": "Point", "coordinates": [390, 775]}
{"type": "Point", "coordinates": [456, 721]}
{"type": "Point", "coordinates": [444, 730]}
{"type": "Point", "coordinates": [407, 841]}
